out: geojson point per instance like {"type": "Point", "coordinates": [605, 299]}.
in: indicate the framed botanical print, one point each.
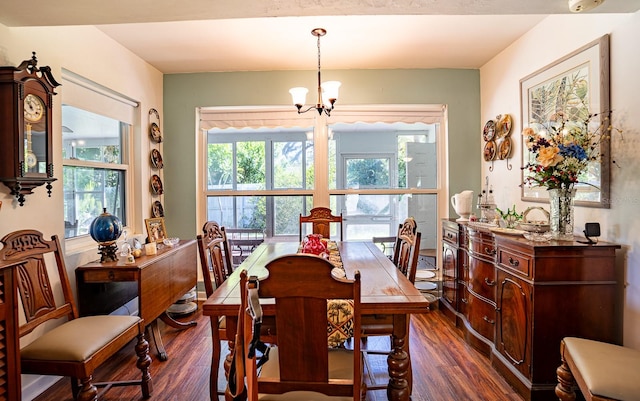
{"type": "Point", "coordinates": [573, 88]}
{"type": "Point", "coordinates": [156, 230]}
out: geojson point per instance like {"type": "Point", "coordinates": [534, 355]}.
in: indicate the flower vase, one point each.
{"type": "Point", "coordinates": [314, 245]}
{"type": "Point", "coordinates": [561, 213]}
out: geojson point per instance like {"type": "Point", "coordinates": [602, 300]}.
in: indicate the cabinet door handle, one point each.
{"type": "Point", "coordinates": [514, 262]}
{"type": "Point", "coordinates": [486, 319]}
{"type": "Point", "coordinates": [449, 235]}
{"type": "Point", "coordinates": [464, 300]}
{"type": "Point", "coordinates": [489, 251]}
{"type": "Point", "coordinates": [488, 282]}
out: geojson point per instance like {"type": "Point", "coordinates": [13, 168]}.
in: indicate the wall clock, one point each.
{"type": "Point", "coordinates": [26, 94]}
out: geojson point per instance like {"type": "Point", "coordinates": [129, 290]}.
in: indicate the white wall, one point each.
{"type": "Point", "coordinates": [87, 52]}
{"type": "Point", "coordinates": [500, 94]}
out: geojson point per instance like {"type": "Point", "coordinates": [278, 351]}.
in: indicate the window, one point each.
{"type": "Point", "coordinates": [96, 131]}
{"type": "Point", "coordinates": [368, 166]}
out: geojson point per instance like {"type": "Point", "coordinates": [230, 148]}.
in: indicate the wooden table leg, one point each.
{"type": "Point", "coordinates": [399, 362]}
{"type": "Point", "coordinates": [157, 340]}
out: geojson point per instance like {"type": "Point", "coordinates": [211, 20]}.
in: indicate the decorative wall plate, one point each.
{"type": "Point", "coordinates": [157, 210]}
{"type": "Point", "coordinates": [154, 131]}
{"type": "Point", "coordinates": [505, 148]}
{"type": "Point", "coordinates": [504, 126]}
{"type": "Point", "coordinates": [490, 151]}
{"type": "Point", "coordinates": [489, 131]}
{"type": "Point", "coordinates": [156, 184]}
{"type": "Point", "coordinates": [156, 159]}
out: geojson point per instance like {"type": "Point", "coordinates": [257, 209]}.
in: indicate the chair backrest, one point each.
{"type": "Point", "coordinates": [321, 219]}
{"type": "Point", "coordinates": [407, 248]}
{"type": "Point", "coordinates": [34, 283]}
{"type": "Point", "coordinates": [301, 286]}
{"type": "Point", "coordinates": [215, 256]}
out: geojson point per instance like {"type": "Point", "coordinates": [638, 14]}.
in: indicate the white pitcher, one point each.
{"type": "Point", "coordinates": [463, 203]}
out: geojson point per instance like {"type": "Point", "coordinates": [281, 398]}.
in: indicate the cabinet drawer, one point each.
{"type": "Point", "coordinates": [515, 261]}
{"type": "Point", "coordinates": [450, 232]}
{"type": "Point", "coordinates": [106, 276]}
{"type": "Point", "coordinates": [482, 317]}
{"type": "Point", "coordinates": [482, 245]}
{"type": "Point", "coordinates": [482, 278]}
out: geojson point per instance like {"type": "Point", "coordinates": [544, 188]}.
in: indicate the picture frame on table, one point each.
{"type": "Point", "coordinates": [581, 75]}
{"type": "Point", "coordinates": [156, 230]}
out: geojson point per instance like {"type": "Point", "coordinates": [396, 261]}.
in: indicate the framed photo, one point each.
{"type": "Point", "coordinates": [156, 230]}
{"type": "Point", "coordinates": [576, 85]}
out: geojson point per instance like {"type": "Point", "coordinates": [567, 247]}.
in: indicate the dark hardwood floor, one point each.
{"type": "Point", "coordinates": [445, 368]}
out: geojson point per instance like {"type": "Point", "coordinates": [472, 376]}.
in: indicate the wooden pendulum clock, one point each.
{"type": "Point", "coordinates": [26, 94]}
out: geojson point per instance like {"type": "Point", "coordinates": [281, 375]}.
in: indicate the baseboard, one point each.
{"type": "Point", "coordinates": [33, 385]}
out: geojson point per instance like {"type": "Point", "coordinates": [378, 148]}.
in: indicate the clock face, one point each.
{"type": "Point", "coordinates": [33, 108]}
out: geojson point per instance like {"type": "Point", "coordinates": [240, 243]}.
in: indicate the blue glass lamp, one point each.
{"type": "Point", "coordinates": [105, 230]}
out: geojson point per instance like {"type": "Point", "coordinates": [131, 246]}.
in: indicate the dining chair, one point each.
{"type": "Point", "coordinates": [321, 219]}
{"type": "Point", "coordinates": [405, 258]}
{"type": "Point", "coordinates": [302, 366]}
{"type": "Point", "coordinates": [215, 256]}
{"type": "Point", "coordinates": [215, 262]}
{"type": "Point", "coordinates": [77, 346]}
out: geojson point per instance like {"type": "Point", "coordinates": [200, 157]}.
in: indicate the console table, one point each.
{"type": "Point", "coordinates": [516, 299]}
{"type": "Point", "coordinates": [158, 281]}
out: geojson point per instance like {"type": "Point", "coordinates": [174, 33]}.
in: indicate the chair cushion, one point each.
{"type": "Point", "coordinates": [78, 339]}
{"type": "Point", "coordinates": [608, 370]}
{"type": "Point", "coordinates": [340, 367]}
{"type": "Point", "coordinates": [339, 321]}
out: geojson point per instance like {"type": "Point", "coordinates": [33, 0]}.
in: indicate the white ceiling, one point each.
{"type": "Point", "coordinates": [178, 36]}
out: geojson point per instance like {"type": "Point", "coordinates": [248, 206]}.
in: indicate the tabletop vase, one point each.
{"type": "Point", "coordinates": [561, 205]}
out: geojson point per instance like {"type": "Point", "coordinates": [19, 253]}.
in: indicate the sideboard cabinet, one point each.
{"type": "Point", "coordinates": [518, 299]}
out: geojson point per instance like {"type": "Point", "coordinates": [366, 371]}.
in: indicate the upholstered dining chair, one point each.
{"type": "Point", "coordinates": [78, 345]}
{"type": "Point", "coordinates": [302, 366]}
{"type": "Point", "coordinates": [321, 219]}
{"type": "Point", "coordinates": [405, 257]}
{"type": "Point", "coordinates": [215, 262]}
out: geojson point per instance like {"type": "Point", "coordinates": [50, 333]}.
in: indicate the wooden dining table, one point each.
{"type": "Point", "coordinates": [387, 296]}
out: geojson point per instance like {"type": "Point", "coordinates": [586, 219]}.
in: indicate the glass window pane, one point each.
{"type": "Point", "coordinates": [411, 150]}
{"type": "Point", "coordinates": [219, 166]}
{"type": "Point", "coordinates": [250, 159]}
{"type": "Point", "coordinates": [288, 165]}
{"type": "Point", "coordinates": [286, 216]}
{"type": "Point", "coordinates": [380, 215]}
{"type": "Point", "coordinates": [86, 192]}
{"type": "Point", "coordinates": [367, 173]}
{"type": "Point", "coordinates": [91, 137]}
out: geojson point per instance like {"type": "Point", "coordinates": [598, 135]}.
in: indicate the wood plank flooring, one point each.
{"type": "Point", "coordinates": [445, 368]}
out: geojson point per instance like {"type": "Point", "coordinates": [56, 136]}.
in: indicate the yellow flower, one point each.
{"type": "Point", "coordinates": [549, 157]}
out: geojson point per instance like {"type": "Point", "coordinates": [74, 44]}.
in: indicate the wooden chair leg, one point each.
{"type": "Point", "coordinates": [75, 387]}
{"type": "Point", "coordinates": [565, 388]}
{"type": "Point", "coordinates": [88, 392]}
{"type": "Point", "coordinates": [143, 363]}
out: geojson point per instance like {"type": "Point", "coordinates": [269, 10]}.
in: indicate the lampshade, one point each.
{"type": "Point", "coordinates": [330, 91]}
{"type": "Point", "coordinates": [299, 95]}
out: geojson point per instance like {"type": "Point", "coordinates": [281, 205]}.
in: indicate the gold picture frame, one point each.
{"type": "Point", "coordinates": [583, 74]}
{"type": "Point", "coordinates": [156, 230]}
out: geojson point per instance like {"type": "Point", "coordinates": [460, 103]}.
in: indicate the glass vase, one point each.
{"type": "Point", "coordinates": [561, 207]}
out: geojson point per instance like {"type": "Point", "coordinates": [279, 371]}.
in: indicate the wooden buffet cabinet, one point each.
{"type": "Point", "coordinates": [516, 299]}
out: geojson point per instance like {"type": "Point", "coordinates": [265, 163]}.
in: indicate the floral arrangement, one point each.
{"type": "Point", "coordinates": [563, 149]}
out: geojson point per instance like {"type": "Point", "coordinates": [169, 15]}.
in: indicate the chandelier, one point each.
{"type": "Point", "coordinates": [327, 91]}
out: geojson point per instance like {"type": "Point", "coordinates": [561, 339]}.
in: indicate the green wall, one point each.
{"type": "Point", "coordinates": [459, 89]}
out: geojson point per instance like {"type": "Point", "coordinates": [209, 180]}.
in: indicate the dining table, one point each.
{"type": "Point", "coordinates": [387, 297]}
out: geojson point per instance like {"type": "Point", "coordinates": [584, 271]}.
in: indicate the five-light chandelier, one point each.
{"type": "Point", "coordinates": [327, 91]}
